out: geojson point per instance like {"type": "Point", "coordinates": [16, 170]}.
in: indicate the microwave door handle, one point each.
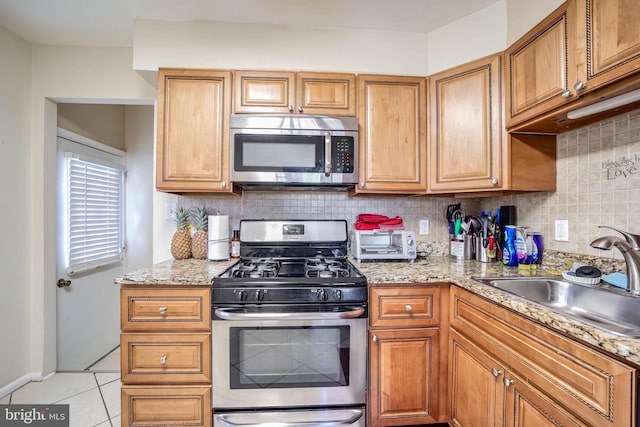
{"type": "Point", "coordinates": [228, 420]}
{"type": "Point", "coordinates": [234, 314]}
{"type": "Point", "coordinates": [327, 153]}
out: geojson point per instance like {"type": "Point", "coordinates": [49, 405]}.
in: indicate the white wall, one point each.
{"type": "Point", "coordinates": [139, 136]}
{"type": "Point", "coordinates": [523, 15]}
{"type": "Point", "coordinates": [15, 208]}
{"type": "Point", "coordinates": [276, 47]}
{"type": "Point", "coordinates": [100, 122]}
{"type": "Point", "coordinates": [472, 37]}
{"type": "Point", "coordinates": [68, 74]}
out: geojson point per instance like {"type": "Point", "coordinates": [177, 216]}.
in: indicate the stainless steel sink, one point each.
{"type": "Point", "coordinates": [614, 311]}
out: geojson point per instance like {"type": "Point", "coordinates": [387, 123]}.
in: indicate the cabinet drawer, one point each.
{"type": "Point", "coordinates": [404, 306]}
{"type": "Point", "coordinates": [586, 382]}
{"type": "Point", "coordinates": [165, 309]}
{"type": "Point", "coordinates": [166, 406]}
{"type": "Point", "coordinates": [167, 358]}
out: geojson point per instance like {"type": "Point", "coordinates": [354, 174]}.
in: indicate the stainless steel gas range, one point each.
{"type": "Point", "coordinates": [289, 328]}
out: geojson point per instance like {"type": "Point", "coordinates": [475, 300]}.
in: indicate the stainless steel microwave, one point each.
{"type": "Point", "coordinates": [294, 150]}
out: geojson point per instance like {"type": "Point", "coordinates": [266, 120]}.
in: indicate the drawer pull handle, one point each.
{"type": "Point", "coordinates": [496, 372]}
{"type": "Point", "coordinates": [163, 360]}
{"type": "Point", "coordinates": [162, 310]}
{"type": "Point", "coordinates": [408, 308]}
{"type": "Point", "coordinates": [507, 382]}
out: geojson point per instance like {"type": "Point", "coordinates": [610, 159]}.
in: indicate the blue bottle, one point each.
{"type": "Point", "coordinates": [509, 254]}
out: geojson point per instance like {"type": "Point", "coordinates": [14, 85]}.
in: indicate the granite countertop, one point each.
{"type": "Point", "coordinates": [434, 269]}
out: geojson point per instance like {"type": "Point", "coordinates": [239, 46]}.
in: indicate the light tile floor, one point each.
{"type": "Point", "coordinates": [93, 395]}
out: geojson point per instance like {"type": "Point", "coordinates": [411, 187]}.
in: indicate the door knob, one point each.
{"type": "Point", "coordinates": [63, 283]}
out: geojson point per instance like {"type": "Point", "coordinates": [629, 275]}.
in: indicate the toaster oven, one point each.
{"type": "Point", "coordinates": [383, 245]}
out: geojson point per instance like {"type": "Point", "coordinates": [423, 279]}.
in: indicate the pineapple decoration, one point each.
{"type": "Point", "coordinates": [181, 240]}
{"type": "Point", "coordinates": [200, 221]}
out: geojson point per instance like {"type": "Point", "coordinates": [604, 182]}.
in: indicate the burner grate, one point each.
{"type": "Point", "coordinates": [257, 268]}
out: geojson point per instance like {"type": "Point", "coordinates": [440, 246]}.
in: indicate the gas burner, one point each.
{"type": "Point", "coordinates": [325, 268]}
{"type": "Point", "coordinates": [257, 268]}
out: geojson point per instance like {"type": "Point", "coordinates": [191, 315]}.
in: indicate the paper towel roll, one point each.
{"type": "Point", "coordinates": [218, 250]}
{"type": "Point", "coordinates": [218, 227]}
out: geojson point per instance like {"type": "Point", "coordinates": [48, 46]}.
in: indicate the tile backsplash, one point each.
{"type": "Point", "coordinates": [598, 182]}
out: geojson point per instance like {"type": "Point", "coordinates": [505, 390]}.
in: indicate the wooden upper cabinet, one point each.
{"type": "Point", "coordinates": [465, 148]}
{"type": "Point", "coordinates": [539, 67]}
{"type": "Point", "coordinates": [609, 41]}
{"type": "Point", "coordinates": [393, 141]}
{"type": "Point", "coordinates": [283, 93]}
{"type": "Point", "coordinates": [193, 130]}
{"type": "Point", "coordinates": [326, 93]}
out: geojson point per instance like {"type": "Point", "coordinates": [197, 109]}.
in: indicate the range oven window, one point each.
{"type": "Point", "coordinates": [289, 357]}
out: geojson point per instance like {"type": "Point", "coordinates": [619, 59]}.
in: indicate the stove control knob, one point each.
{"type": "Point", "coordinates": [338, 294]}
{"type": "Point", "coordinates": [259, 295]}
{"type": "Point", "coordinates": [240, 295]}
{"type": "Point", "coordinates": [322, 295]}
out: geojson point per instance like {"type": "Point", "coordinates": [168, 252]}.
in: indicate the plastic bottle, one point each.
{"type": "Point", "coordinates": [509, 254]}
{"type": "Point", "coordinates": [235, 244]}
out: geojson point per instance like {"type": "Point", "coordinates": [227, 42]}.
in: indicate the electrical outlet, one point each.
{"type": "Point", "coordinates": [424, 226]}
{"type": "Point", "coordinates": [169, 211]}
{"type": "Point", "coordinates": [562, 230]}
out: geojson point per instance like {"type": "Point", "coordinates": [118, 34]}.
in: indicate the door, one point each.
{"type": "Point", "coordinates": [403, 376]}
{"type": "Point", "coordinates": [466, 134]}
{"type": "Point", "coordinates": [393, 137]}
{"type": "Point", "coordinates": [87, 300]}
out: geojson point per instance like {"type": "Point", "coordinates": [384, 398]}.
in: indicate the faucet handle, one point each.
{"type": "Point", "coordinates": [632, 239]}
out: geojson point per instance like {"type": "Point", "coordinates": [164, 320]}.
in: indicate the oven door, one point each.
{"type": "Point", "coordinates": [288, 359]}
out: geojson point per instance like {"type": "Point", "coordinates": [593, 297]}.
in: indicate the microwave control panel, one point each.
{"type": "Point", "coordinates": [342, 154]}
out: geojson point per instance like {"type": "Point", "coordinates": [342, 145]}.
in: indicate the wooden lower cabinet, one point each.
{"type": "Point", "coordinates": [506, 370]}
{"type": "Point", "coordinates": [166, 406]}
{"type": "Point", "coordinates": [404, 354]}
{"type": "Point", "coordinates": [165, 356]}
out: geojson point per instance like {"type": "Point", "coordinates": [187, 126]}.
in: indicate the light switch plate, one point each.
{"type": "Point", "coordinates": [424, 226]}
{"type": "Point", "coordinates": [562, 230]}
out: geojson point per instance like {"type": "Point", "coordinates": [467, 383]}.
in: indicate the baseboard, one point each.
{"type": "Point", "coordinates": [16, 384]}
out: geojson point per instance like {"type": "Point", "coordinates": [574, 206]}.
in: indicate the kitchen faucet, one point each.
{"type": "Point", "coordinates": [630, 249]}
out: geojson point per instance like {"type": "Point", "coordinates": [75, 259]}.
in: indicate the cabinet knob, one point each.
{"type": "Point", "coordinates": [507, 382]}
{"type": "Point", "coordinates": [163, 360]}
{"type": "Point", "coordinates": [300, 109]}
{"type": "Point", "coordinates": [223, 184]}
{"type": "Point", "coordinates": [375, 338]}
{"type": "Point", "coordinates": [408, 308]}
{"type": "Point", "coordinates": [362, 184]}
{"type": "Point", "coordinates": [579, 85]}
{"type": "Point", "coordinates": [162, 310]}
{"type": "Point", "coordinates": [290, 108]}
{"type": "Point", "coordinates": [494, 181]}
{"type": "Point", "coordinates": [567, 94]}
{"type": "Point", "coordinates": [496, 372]}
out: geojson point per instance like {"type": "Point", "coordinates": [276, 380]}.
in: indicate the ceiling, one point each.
{"type": "Point", "coordinates": [111, 22]}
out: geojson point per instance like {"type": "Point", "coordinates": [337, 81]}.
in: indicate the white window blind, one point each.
{"type": "Point", "coordinates": [94, 215]}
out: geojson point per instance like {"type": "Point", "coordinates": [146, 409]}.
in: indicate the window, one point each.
{"type": "Point", "coordinates": [94, 214]}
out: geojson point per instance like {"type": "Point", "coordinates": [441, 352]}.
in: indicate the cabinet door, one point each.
{"type": "Point", "coordinates": [193, 131]}
{"type": "Point", "coordinates": [609, 37]}
{"type": "Point", "coordinates": [476, 385]}
{"type": "Point", "coordinates": [540, 67]}
{"type": "Point", "coordinates": [166, 406]}
{"type": "Point", "coordinates": [264, 92]}
{"type": "Point", "coordinates": [392, 118]}
{"type": "Point", "coordinates": [527, 407]}
{"type": "Point", "coordinates": [465, 147]}
{"type": "Point", "coordinates": [326, 93]}
{"type": "Point", "coordinates": [403, 377]}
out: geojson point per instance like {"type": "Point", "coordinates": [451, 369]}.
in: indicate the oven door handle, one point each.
{"type": "Point", "coordinates": [239, 314]}
{"type": "Point", "coordinates": [229, 420]}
